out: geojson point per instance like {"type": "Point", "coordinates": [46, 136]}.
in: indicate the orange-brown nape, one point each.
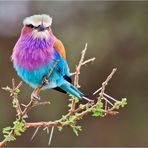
{"type": "Point", "coordinates": [58, 45]}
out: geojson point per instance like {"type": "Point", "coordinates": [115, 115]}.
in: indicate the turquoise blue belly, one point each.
{"type": "Point", "coordinates": [34, 77]}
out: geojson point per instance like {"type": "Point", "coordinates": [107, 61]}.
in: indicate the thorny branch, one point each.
{"type": "Point", "coordinates": [77, 72]}
{"type": "Point", "coordinates": [98, 108]}
{"type": "Point", "coordinates": [81, 63]}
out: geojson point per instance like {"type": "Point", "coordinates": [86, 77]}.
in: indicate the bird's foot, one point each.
{"type": "Point", "coordinates": [34, 97]}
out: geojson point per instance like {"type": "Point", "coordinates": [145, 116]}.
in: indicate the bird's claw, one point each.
{"type": "Point", "coordinates": [35, 97]}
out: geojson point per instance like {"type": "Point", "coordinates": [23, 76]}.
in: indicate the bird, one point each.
{"type": "Point", "coordinates": [35, 54]}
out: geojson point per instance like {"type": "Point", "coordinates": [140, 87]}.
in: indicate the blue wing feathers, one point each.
{"type": "Point", "coordinates": [59, 78]}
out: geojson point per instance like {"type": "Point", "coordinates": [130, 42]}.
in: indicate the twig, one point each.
{"type": "Point", "coordinates": [42, 124]}
{"type": "Point", "coordinates": [28, 107]}
{"type": "Point", "coordinates": [3, 143]}
{"type": "Point", "coordinates": [76, 79]}
{"type": "Point", "coordinates": [84, 63]}
{"type": "Point", "coordinates": [45, 80]}
{"type": "Point", "coordinates": [104, 84]}
{"type": "Point", "coordinates": [77, 72]}
{"type": "Point", "coordinates": [88, 61]}
{"type": "Point", "coordinates": [109, 97]}
{"type": "Point", "coordinates": [31, 104]}
{"type": "Point", "coordinates": [108, 101]}
{"type": "Point", "coordinates": [15, 97]}
{"type": "Point", "coordinates": [53, 67]}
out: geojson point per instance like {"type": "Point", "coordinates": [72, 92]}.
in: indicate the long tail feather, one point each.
{"type": "Point", "coordinates": [70, 89]}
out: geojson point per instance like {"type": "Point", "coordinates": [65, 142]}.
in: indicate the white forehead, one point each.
{"type": "Point", "coordinates": [37, 20]}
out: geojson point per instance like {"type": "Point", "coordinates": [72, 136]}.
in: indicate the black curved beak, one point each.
{"type": "Point", "coordinates": [41, 28]}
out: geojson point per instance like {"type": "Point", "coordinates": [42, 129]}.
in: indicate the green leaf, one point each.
{"type": "Point", "coordinates": [81, 106]}
{"type": "Point", "coordinates": [98, 110]}
{"type": "Point", "coordinates": [79, 128]}
{"type": "Point", "coordinates": [19, 127]}
{"type": "Point", "coordinates": [98, 113]}
{"type": "Point", "coordinates": [17, 91]}
{"type": "Point", "coordinates": [60, 128]}
{"type": "Point", "coordinates": [7, 134]}
{"type": "Point", "coordinates": [9, 138]}
{"type": "Point", "coordinates": [123, 102]}
{"type": "Point", "coordinates": [75, 131]}
{"type": "Point", "coordinates": [6, 130]}
{"type": "Point", "coordinates": [117, 104]}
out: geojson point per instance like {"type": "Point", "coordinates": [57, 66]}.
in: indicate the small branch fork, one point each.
{"type": "Point", "coordinates": [61, 122]}
{"type": "Point", "coordinates": [77, 72]}
{"type": "Point", "coordinates": [81, 63]}
{"type": "Point", "coordinates": [104, 96]}
{"type": "Point", "coordinates": [74, 114]}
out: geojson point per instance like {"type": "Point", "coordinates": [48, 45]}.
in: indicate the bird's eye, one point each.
{"type": "Point", "coordinates": [30, 26]}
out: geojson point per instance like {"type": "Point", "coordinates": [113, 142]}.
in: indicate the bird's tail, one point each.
{"type": "Point", "coordinates": [70, 89]}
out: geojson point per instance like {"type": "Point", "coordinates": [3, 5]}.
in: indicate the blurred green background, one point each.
{"type": "Point", "coordinates": [117, 35]}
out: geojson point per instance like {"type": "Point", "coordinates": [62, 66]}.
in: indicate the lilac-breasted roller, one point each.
{"type": "Point", "coordinates": [35, 53]}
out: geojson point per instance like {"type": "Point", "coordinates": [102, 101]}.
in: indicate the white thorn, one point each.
{"type": "Point", "coordinates": [51, 134]}
{"type": "Point", "coordinates": [97, 91]}
{"type": "Point", "coordinates": [35, 133]}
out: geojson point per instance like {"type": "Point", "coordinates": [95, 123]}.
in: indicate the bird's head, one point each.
{"type": "Point", "coordinates": [38, 26]}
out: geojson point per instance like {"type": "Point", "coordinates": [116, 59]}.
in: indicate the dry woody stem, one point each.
{"type": "Point", "coordinates": [75, 114]}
